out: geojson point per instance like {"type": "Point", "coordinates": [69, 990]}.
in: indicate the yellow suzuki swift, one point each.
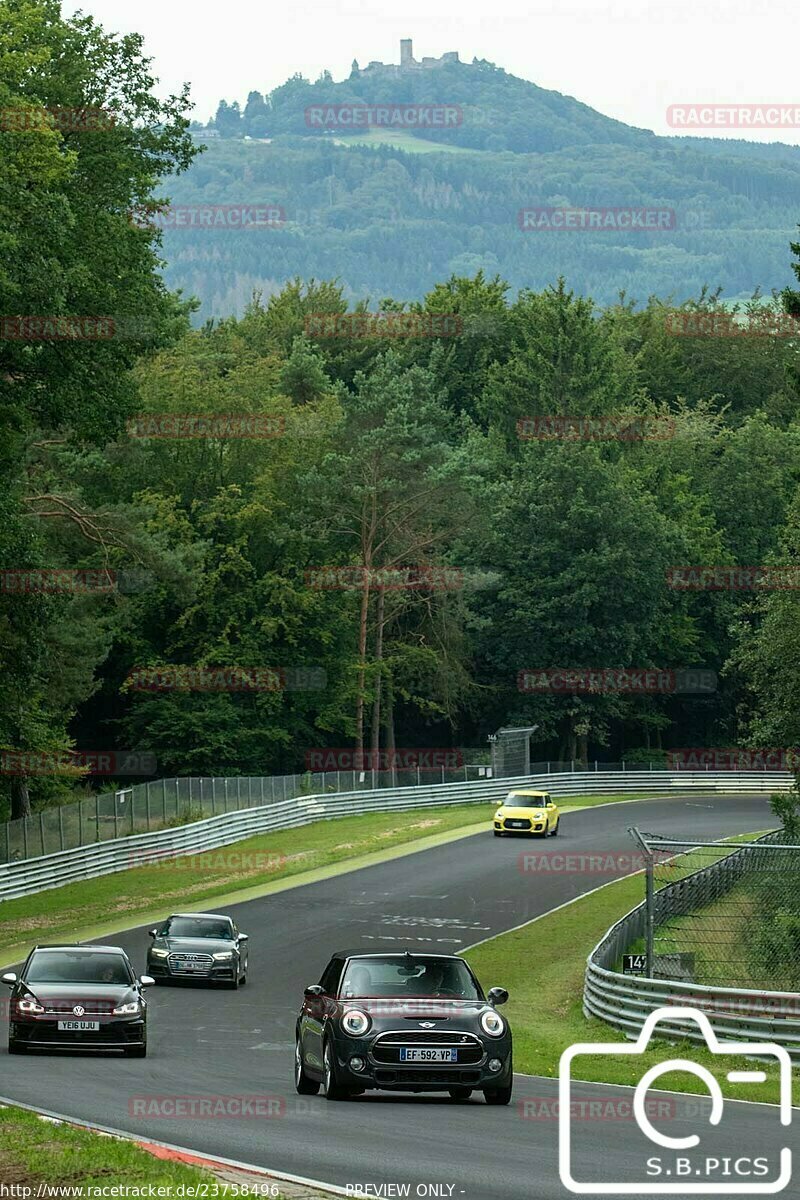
{"type": "Point", "coordinates": [527, 812]}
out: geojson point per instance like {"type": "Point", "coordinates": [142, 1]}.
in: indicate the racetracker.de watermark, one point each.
{"type": "Point", "coordinates": [734, 116]}
{"type": "Point", "coordinates": [764, 578]}
{"type": "Point", "coordinates": [614, 427]}
{"type": "Point", "coordinates": [54, 581]}
{"type": "Point", "coordinates": [212, 217]}
{"type": "Point", "coordinates": [723, 324]}
{"type": "Point", "coordinates": [548, 1108]}
{"type": "Point", "coordinates": [71, 762]}
{"type": "Point", "coordinates": [383, 325]}
{"type": "Point", "coordinates": [643, 681]}
{"type": "Point", "coordinates": [421, 578]}
{"type": "Point", "coordinates": [57, 328]}
{"type": "Point", "coordinates": [419, 758]}
{"type": "Point", "coordinates": [614, 865]}
{"type": "Point", "coordinates": [240, 861]}
{"type": "Point", "coordinates": [547, 219]}
{"type": "Point", "coordinates": [733, 758]}
{"type": "Point", "coordinates": [206, 425]}
{"type": "Point", "coordinates": [207, 1108]}
{"type": "Point", "coordinates": [179, 678]}
{"type": "Point", "coordinates": [88, 119]}
{"type": "Point", "coordinates": [384, 116]}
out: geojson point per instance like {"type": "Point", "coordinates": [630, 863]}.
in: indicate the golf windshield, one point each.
{"type": "Point", "coordinates": [405, 976]}
{"type": "Point", "coordinates": [77, 966]}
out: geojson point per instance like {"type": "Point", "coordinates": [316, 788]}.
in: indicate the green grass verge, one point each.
{"type": "Point", "coordinates": [240, 871]}
{"type": "Point", "coordinates": [542, 965]}
{"type": "Point", "coordinates": [35, 1152]}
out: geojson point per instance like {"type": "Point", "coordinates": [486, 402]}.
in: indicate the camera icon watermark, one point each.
{"type": "Point", "coordinates": [684, 1166]}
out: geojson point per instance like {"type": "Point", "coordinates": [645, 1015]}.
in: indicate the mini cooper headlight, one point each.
{"type": "Point", "coordinates": [492, 1023]}
{"type": "Point", "coordinates": [159, 953]}
{"type": "Point", "coordinates": [29, 1005]}
{"type": "Point", "coordinates": [223, 956]}
{"type": "Point", "coordinates": [126, 1010]}
{"type": "Point", "coordinates": [355, 1022]}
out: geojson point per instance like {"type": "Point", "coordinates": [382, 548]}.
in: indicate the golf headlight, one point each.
{"type": "Point", "coordinates": [355, 1022]}
{"type": "Point", "coordinates": [126, 1010]}
{"type": "Point", "coordinates": [159, 953]}
{"type": "Point", "coordinates": [223, 956]}
{"type": "Point", "coordinates": [29, 1005]}
{"type": "Point", "coordinates": [492, 1023]}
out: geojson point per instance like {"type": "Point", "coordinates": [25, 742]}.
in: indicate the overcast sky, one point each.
{"type": "Point", "coordinates": [629, 59]}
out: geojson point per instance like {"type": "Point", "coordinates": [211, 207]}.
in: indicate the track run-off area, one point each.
{"type": "Point", "coordinates": [212, 1043]}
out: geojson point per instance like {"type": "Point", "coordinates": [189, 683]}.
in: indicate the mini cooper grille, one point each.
{"type": "Point", "coordinates": [386, 1048]}
{"type": "Point", "coordinates": [438, 1037]}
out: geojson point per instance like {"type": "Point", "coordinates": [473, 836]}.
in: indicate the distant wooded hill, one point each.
{"type": "Point", "coordinates": [388, 213]}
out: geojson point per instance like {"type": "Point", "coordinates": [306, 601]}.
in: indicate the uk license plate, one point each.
{"type": "Point", "coordinates": [435, 1054]}
{"type": "Point", "coordinates": [79, 1026]}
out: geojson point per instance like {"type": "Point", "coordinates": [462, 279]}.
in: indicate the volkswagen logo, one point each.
{"type": "Point", "coordinates": [78, 1010]}
{"type": "Point", "coordinates": [426, 1024]}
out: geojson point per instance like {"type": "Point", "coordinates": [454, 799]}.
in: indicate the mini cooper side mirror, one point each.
{"type": "Point", "coordinates": [146, 980]}
{"type": "Point", "coordinates": [152, 932]}
{"type": "Point", "coordinates": [9, 978]}
{"type": "Point", "coordinates": [314, 991]}
{"type": "Point", "coordinates": [244, 937]}
{"type": "Point", "coordinates": [497, 996]}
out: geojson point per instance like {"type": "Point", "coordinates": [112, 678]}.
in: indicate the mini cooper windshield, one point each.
{"type": "Point", "coordinates": [398, 976]}
{"type": "Point", "coordinates": [77, 966]}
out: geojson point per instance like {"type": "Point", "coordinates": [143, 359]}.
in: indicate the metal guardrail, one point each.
{"type": "Point", "coordinates": [28, 876]}
{"type": "Point", "coordinates": [161, 803]}
{"type": "Point", "coordinates": [735, 1014]}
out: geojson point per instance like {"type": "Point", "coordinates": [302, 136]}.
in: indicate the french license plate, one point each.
{"type": "Point", "coordinates": [79, 1026]}
{"type": "Point", "coordinates": [437, 1054]}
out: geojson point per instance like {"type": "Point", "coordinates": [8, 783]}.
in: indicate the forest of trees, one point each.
{"type": "Point", "coordinates": [385, 454]}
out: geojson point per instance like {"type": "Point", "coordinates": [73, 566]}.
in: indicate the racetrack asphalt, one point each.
{"type": "Point", "coordinates": [213, 1043]}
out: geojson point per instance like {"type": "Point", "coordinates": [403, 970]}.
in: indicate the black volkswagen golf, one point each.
{"type": "Point", "coordinates": [402, 1022]}
{"type": "Point", "coordinates": [198, 946]}
{"type": "Point", "coordinates": [85, 997]}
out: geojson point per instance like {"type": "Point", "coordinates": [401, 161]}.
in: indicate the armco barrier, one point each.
{"type": "Point", "coordinates": [104, 858]}
{"type": "Point", "coordinates": [735, 1014]}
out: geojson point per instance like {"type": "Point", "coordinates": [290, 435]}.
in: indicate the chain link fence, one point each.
{"type": "Point", "coordinates": [723, 914]}
{"type": "Point", "coordinates": [165, 803]}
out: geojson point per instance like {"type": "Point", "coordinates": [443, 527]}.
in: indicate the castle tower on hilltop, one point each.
{"type": "Point", "coordinates": [407, 61]}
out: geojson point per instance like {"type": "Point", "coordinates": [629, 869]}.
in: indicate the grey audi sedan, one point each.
{"type": "Point", "coordinates": [206, 946]}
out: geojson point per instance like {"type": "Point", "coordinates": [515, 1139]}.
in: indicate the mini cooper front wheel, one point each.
{"type": "Point", "coordinates": [139, 1051]}
{"type": "Point", "coordinates": [303, 1085]}
{"type": "Point", "coordinates": [15, 1047]}
{"type": "Point", "coordinates": [501, 1095]}
{"type": "Point", "coordinates": [333, 1089]}
{"type": "Point", "coordinates": [460, 1093]}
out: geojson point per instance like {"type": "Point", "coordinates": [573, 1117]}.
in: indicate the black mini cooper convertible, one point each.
{"type": "Point", "coordinates": [402, 1022]}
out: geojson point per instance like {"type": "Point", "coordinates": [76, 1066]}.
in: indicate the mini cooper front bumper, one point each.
{"type": "Point", "coordinates": [378, 1061]}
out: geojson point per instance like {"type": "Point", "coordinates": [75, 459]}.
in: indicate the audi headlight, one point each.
{"type": "Point", "coordinates": [222, 956]}
{"type": "Point", "coordinates": [492, 1023]}
{"type": "Point", "coordinates": [127, 1010]}
{"type": "Point", "coordinates": [159, 953]}
{"type": "Point", "coordinates": [29, 1005]}
{"type": "Point", "coordinates": [355, 1022]}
